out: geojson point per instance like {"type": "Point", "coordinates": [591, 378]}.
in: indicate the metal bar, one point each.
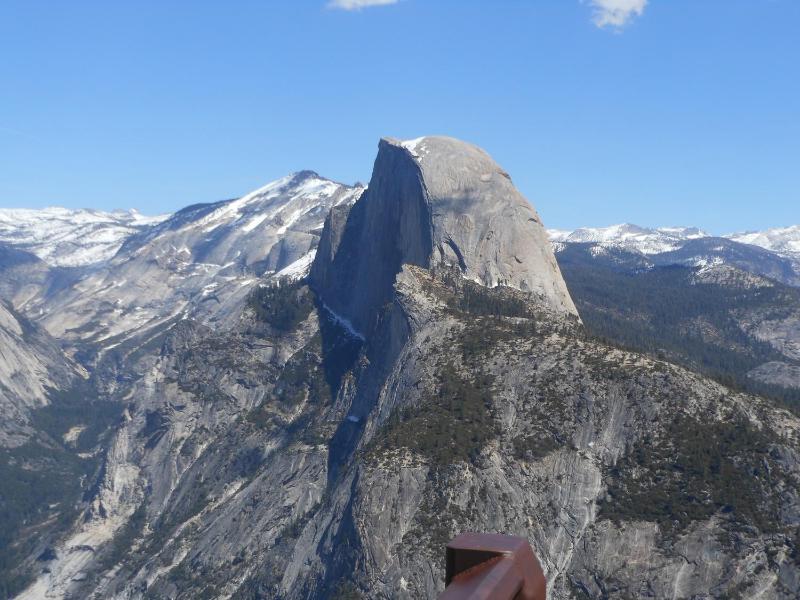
{"type": "Point", "coordinates": [490, 566]}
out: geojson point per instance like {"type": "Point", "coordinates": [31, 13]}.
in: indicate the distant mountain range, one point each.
{"type": "Point", "coordinates": [781, 240]}
{"type": "Point", "coordinates": [65, 237]}
{"type": "Point", "coordinates": [718, 318]}
{"type": "Point", "coordinates": [71, 237]}
{"type": "Point", "coordinates": [631, 237]}
{"type": "Point", "coordinates": [773, 253]}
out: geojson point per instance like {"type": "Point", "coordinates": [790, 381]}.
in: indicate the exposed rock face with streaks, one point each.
{"type": "Point", "coordinates": [324, 438]}
{"type": "Point", "coordinates": [31, 365]}
{"type": "Point", "coordinates": [434, 202]}
{"type": "Point", "coordinates": [559, 412]}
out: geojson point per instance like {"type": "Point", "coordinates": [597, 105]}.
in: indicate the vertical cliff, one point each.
{"type": "Point", "coordinates": [433, 202]}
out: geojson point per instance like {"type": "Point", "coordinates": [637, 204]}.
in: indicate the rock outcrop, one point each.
{"type": "Point", "coordinates": [433, 202]}
{"type": "Point", "coordinates": [280, 454]}
{"type": "Point", "coordinates": [32, 367]}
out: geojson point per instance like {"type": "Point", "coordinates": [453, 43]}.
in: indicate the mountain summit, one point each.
{"type": "Point", "coordinates": [434, 202]}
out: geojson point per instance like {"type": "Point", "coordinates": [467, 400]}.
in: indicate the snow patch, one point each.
{"type": "Point", "coordinates": [298, 268]}
{"type": "Point", "coordinates": [415, 147]}
{"type": "Point", "coordinates": [72, 435]}
{"type": "Point", "coordinates": [705, 264]}
{"type": "Point", "coordinates": [344, 323]}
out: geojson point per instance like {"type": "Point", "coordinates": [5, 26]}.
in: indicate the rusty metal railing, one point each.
{"type": "Point", "coordinates": [490, 566]}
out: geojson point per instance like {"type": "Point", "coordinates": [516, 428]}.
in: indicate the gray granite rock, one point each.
{"type": "Point", "coordinates": [434, 202]}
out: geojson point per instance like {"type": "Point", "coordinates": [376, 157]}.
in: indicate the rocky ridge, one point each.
{"type": "Point", "coordinates": [434, 202]}
{"type": "Point", "coordinates": [719, 317]}
{"type": "Point", "coordinates": [326, 438]}
{"type": "Point", "coordinates": [202, 261]}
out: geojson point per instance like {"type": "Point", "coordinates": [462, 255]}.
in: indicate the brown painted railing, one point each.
{"type": "Point", "coordinates": [490, 566]}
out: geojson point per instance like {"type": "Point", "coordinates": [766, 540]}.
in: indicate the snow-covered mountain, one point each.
{"type": "Point", "coordinates": [706, 252]}
{"type": "Point", "coordinates": [71, 237]}
{"type": "Point", "coordinates": [773, 253]}
{"type": "Point", "coordinates": [631, 237]}
{"type": "Point", "coordinates": [203, 260]}
{"type": "Point", "coordinates": [783, 240]}
{"type": "Point", "coordinates": [146, 271]}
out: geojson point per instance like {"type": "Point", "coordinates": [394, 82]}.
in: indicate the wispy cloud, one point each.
{"type": "Point", "coordinates": [616, 13]}
{"type": "Point", "coordinates": [358, 4]}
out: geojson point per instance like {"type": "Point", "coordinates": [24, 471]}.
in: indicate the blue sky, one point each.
{"type": "Point", "coordinates": [661, 112]}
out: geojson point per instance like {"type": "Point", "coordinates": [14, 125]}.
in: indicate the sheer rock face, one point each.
{"type": "Point", "coordinates": [434, 202]}
{"type": "Point", "coordinates": [32, 367]}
